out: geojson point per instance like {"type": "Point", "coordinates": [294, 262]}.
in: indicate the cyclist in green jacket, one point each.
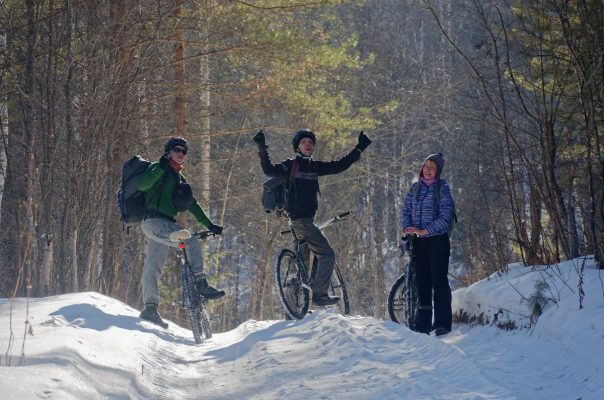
{"type": "Point", "coordinates": [167, 194]}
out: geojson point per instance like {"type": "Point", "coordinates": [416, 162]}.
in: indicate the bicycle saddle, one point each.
{"type": "Point", "coordinates": [180, 235]}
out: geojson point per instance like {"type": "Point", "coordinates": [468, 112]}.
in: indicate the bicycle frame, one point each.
{"type": "Point", "coordinates": [180, 237]}
{"type": "Point", "coordinates": [192, 301]}
{"type": "Point", "coordinates": [403, 294]}
{"type": "Point", "coordinates": [306, 280]}
{"type": "Point", "coordinates": [294, 280]}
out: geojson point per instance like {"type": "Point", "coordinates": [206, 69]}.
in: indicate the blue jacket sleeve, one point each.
{"type": "Point", "coordinates": [408, 206]}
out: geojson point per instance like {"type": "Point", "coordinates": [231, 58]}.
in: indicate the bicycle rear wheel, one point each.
{"type": "Point", "coordinates": [293, 295]}
{"type": "Point", "coordinates": [402, 302]}
{"type": "Point", "coordinates": [337, 287]}
{"type": "Point", "coordinates": [195, 306]}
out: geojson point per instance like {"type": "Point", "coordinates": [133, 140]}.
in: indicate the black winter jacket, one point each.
{"type": "Point", "coordinates": [302, 199]}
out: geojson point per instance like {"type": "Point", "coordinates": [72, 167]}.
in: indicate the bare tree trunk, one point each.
{"type": "Point", "coordinates": [205, 130]}
{"type": "Point", "coordinates": [589, 93]}
{"type": "Point", "coordinates": [27, 231]}
{"type": "Point", "coordinates": [3, 134]}
{"type": "Point", "coordinates": [47, 259]}
{"type": "Point", "coordinates": [533, 254]}
{"type": "Point", "coordinates": [216, 256]}
{"type": "Point", "coordinates": [75, 282]}
{"type": "Point", "coordinates": [179, 72]}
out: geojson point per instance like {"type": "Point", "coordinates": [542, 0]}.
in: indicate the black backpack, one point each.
{"type": "Point", "coordinates": [274, 193]}
{"type": "Point", "coordinates": [130, 200]}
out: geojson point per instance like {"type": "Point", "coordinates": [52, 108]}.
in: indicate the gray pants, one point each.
{"type": "Point", "coordinates": [158, 232]}
{"type": "Point", "coordinates": [322, 250]}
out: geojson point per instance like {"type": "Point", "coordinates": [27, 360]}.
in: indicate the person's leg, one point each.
{"type": "Point", "coordinates": [320, 247]}
{"type": "Point", "coordinates": [155, 258]}
{"type": "Point", "coordinates": [439, 269]}
{"type": "Point", "coordinates": [423, 281]}
{"type": "Point", "coordinates": [159, 230]}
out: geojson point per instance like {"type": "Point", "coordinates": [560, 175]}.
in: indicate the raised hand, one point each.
{"type": "Point", "coordinates": [215, 229]}
{"type": "Point", "coordinates": [364, 141]}
{"type": "Point", "coordinates": [260, 140]}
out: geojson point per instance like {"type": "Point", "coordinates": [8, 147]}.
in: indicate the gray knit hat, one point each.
{"type": "Point", "coordinates": [438, 159]}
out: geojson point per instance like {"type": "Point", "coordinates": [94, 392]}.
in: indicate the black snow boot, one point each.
{"type": "Point", "coordinates": [208, 292]}
{"type": "Point", "coordinates": [150, 314]}
{"type": "Point", "coordinates": [441, 331]}
{"type": "Point", "coordinates": [323, 299]}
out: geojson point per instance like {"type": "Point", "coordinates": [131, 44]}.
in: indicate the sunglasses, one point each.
{"type": "Point", "coordinates": [179, 150]}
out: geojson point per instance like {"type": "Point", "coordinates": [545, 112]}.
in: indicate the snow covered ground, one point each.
{"type": "Point", "coordinates": [89, 346]}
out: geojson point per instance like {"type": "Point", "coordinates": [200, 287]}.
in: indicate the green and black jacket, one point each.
{"type": "Point", "coordinates": [158, 186]}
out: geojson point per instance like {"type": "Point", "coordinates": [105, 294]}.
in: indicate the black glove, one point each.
{"type": "Point", "coordinates": [260, 140]}
{"type": "Point", "coordinates": [164, 161]}
{"type": "Point", "coordinates": [364, 141]}
{"type": "Point", "coordinates": [404, 246]}
{"type": "Point", "coordinates": [215, 229]}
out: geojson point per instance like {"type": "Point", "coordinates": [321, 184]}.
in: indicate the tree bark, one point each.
{"type": "Point", "coordinates": [180, 103]}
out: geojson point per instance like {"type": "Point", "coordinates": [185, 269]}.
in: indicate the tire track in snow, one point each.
{"type": "Point", "coordinates": [334, 357]}
{"type": "Point", "coordinates": [160, 371]}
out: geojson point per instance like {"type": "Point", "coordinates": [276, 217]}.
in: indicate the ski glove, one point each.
{"type": "Point", "coordinates": [215, 229]}
{"type": "Point", "coordinates": [260, 140]}
{"type": "Point", "coordinates": [364, 141]}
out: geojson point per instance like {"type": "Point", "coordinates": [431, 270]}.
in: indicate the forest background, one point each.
{"type": "Point", "coordinates": [511, 92]}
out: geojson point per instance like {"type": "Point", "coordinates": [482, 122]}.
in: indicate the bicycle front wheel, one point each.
{"type": "Point", "coordinates": [402, 302]}
{"type": "Point", "coordinates": [293, 295]}
{"type": "Point", "coordinates": [337, 287]}
{"type": "Point", "coordinates": [195, 306]}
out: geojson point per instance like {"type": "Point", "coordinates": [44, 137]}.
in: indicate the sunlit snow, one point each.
{"type": "Point", "coordinates": [89, 346]}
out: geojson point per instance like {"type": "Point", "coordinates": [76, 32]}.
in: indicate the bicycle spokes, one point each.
{"type": "Point", "coordinates": [292, 293]}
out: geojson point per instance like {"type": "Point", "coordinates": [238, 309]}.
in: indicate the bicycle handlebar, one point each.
{"type": "Point", "coordinates": [204, 234]}
{"type": "Point", "coordinates": [403, 246]}
{"type": "Point", "coordinates": [334, 219]}
{"type": "Point", "coordinates": [339, 217]}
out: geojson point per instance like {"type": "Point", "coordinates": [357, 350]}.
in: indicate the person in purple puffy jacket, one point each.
{"type": "Point", "coordinates": [427, 213]}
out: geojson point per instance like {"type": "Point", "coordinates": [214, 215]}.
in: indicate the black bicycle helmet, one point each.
{"type": "Point", "coordinates": [175, 141]}
{"type": "Point", "coordinates": [301, 134]}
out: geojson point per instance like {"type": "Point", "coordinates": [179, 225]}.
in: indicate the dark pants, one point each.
{"type": "Point", "coordinates": [432, 266]}
{"type": "Point", "coordinates": [306, 229]}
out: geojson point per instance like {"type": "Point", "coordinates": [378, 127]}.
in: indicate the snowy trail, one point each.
{"type": "Point", "coordinates": [89, 346]}
{"type": "Point", "coordinates": [324, 356]}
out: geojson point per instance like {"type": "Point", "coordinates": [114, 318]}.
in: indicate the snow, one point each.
{"type": "Point", "coordinates": [89, 346]}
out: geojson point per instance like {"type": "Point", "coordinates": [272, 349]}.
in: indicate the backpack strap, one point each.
{"type": "Point", "coordinates": [162, 183]}
{"type": "Point", "coordinates": [437, 194]}
{"type": "Point", "coordinates": [415, 189]}
{"type": "Point", "coordinates": [292, 174]}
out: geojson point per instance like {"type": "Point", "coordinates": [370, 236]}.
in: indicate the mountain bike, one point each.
{"type": "Point", "coordinates": [402, 300]}
{"type": "Point", "coordinates": [192, 301]}
{"type": "Point", "coordinates": [293, 280]}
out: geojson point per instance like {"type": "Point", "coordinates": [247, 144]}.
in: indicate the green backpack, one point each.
{"type": "Point", "coordinates": [436, 198]}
